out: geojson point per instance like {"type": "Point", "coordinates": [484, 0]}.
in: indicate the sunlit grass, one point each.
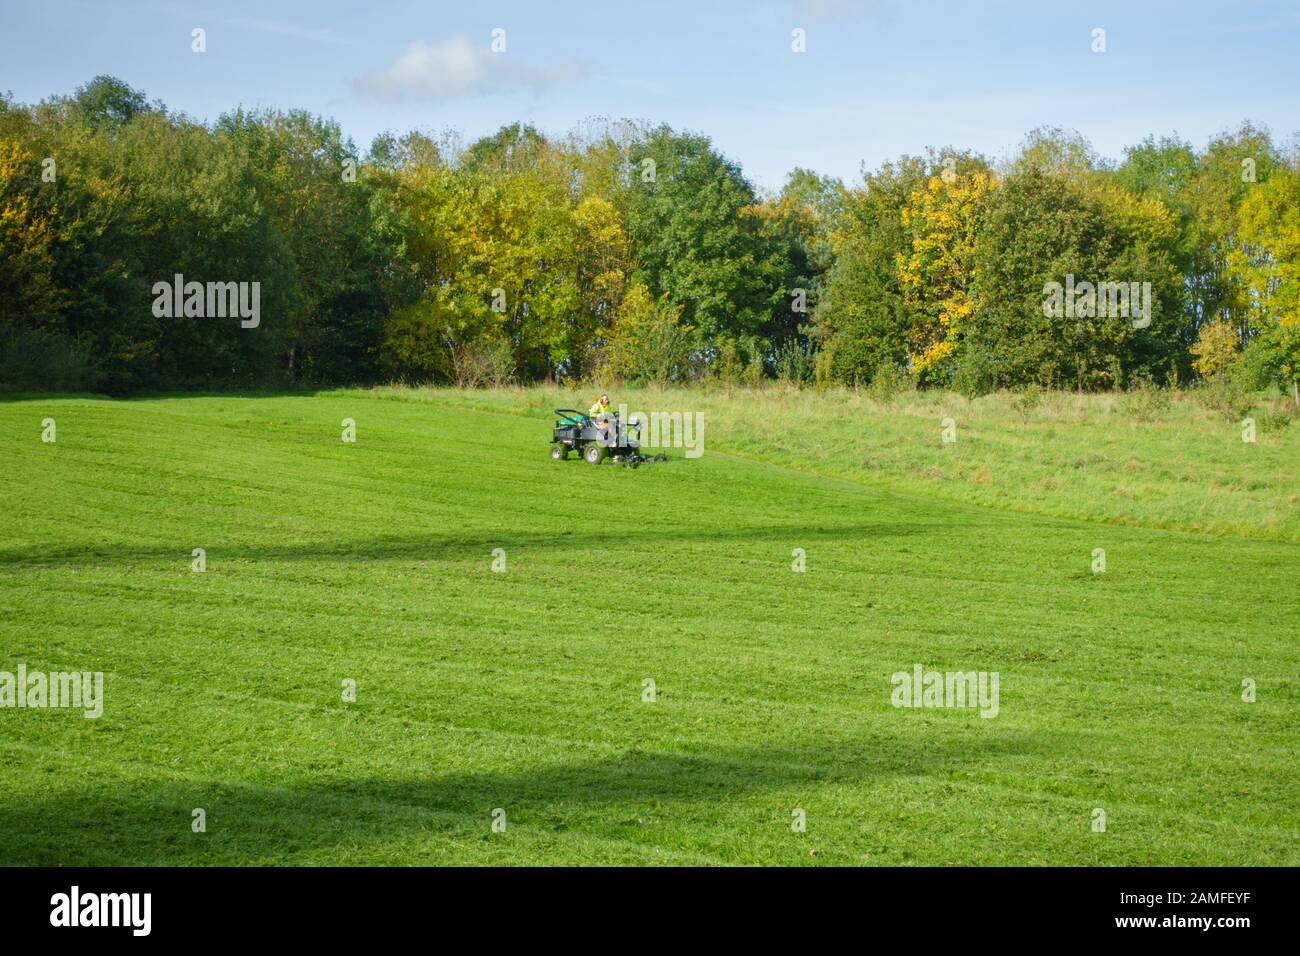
{"type": "Point", "coordinates": [1094, 456]}
{"type": "Point", "coordinates": [523, 690]}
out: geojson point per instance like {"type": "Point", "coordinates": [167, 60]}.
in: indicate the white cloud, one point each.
{"type": "Point", "coordinates": [456, 67]}
{"type": "Point", "coordinates": [822, 10]}
{"type": "Point", "coordinates": [285, 28]}
{"type": "Point", "coordinates": [262, 25]}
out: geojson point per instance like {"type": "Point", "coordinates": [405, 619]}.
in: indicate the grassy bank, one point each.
{"type": "Point", "coordinates": [525, 690]}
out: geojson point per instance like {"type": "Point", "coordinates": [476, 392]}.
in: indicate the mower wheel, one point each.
{"type": "Point", "coordinates": [594, 453]}
{"type": "Point", "coordinates": [559, 451]}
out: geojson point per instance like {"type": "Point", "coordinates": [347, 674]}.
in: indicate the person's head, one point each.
{"type": "Point", "coordinates": [604, 399]}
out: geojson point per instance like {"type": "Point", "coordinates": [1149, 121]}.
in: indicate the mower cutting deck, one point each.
{"type": "Point", "coordinates": [598, 440]}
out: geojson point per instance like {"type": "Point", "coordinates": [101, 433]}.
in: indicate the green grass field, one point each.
{"type": "Point", "coordinates": [523, 690]}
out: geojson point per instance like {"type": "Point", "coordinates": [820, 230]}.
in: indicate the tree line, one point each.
{"type": "Point", "coordinates": [629, 252]}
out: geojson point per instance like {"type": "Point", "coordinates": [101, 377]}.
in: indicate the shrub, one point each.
{"type": "Point", "coordinates": [1277, 416]}
{"type": "Point", "coordinates": [796, 363]}
{"type": "Point", "coordinates": [1144, 400]}
{"type": "Point", "coordinates": [973, 374]}
{"type": "Point", "coordinates": [1273, 358]}
{"type": "Point", "coordinates": [648, 343]}
{"type": "Point", "coordinates": [727, 365]}
{"type": "Point", "coordinates": [1227, 393]}
{"type": "Point", "coordinates": [663, 355]}
{"type": "Point", "coordinates": [824, 370]}
{"type": "Point", "coordinates": [888, 383]}
{"type": "Point", "coordinates": [484, 362]}
{"type": "Point", "coordinates": [1215, 348]}
{"type": "Point", "coordinates": [35, 360]}
{"type": "Point", "coordinates": [1026, 399]}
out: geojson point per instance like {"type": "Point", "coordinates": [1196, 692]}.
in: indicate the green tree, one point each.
{"type": "Point", "coordinates": [862, 321]}
{"type": "Point", "coordinates": [698, 237]}
{"type": "Point", "coordinates": [1273, 356]}
{"type": "Point", "coordinates": [1040, 229]}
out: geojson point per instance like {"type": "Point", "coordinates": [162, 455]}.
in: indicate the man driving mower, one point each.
{"type": "Point", "coordinates": [599, 409]}
{"type": "Point", "coordinates": [598, 436]}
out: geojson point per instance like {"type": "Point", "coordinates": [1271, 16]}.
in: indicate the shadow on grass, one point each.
{"type": "Point", "coordinates": [424, 547]}
{"type": "Point", "coordinates": [139, 823]}
{"type": "Point", "coordinates": [15, 397]}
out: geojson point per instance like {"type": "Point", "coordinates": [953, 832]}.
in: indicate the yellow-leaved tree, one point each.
{"type": "Point", "coordinates": [604, 265]}
{"type": "Point", "coordinates": [647, 340]}
{"type": "Point", "coordinates": [27, 287]}
{"type": "Point", "coordinates": [1216, 347]}
{"type": "Point", "coordinates": [941, 220]}
{"type": "Point", "coordinates": [1266, 259]}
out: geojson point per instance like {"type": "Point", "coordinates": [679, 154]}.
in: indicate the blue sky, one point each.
{"type": "Point", "coordinates": [879, 78]}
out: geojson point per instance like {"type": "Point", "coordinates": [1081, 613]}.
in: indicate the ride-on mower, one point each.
{"type": "Point", "coordinates": [598, 440]}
